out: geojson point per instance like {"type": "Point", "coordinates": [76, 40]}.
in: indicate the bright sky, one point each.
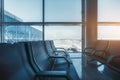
{"type": "Point", "coordinates": [109, 11]}
{"type": "Point", "coordinates": [55, 11]}
{"type": "Point", "coordinates": [27, 10]}
{"type": "Point", "coordinates": [63, 32]}
{"type": "Point", "coordinates": [66, 11]}
{"type": "Point", "coordinates": [109, 32]}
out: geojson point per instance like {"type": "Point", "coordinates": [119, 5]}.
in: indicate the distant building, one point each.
{"type": "Point", "coordinates": [15, 33]}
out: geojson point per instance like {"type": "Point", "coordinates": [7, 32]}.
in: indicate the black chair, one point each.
{"type": "Point", "coordinates": [51, 52]}
{"type": "Point", "coordinates": [58, 49]}
{"type": "Point", "coordinates": [100, 46]}
{"type": "Point", "coordinates": [14, 64]}
{"type": "Point", "coordinates": [109, 56]}
{"type": "Point", "coordinates": [111, 59]}
{"type": "Point", "coordinates": [113, 53]}
{"type": "Point", "coordinates": [49, 63]}
{"type": "Point", "coordinates": [97, 52]}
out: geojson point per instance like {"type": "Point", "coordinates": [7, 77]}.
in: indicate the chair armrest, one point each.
{"type": "Point", "coordinates": [61, 48]}
{"type": "Point", "coordinates": [92, 50]}
{"type": "Point", "coordinates": [112, 57]}
{"type": "Point", "coordinates": [100, 50]}
{"type": "Point", "coordinates": [52, 73]}
{"type": "Point", "coordinates": [68, 61]}
{"type": "Point", "coordinates": [61, 51]}
{"type": "Point", "coordinates": [88, 48]}
{"type": "Point", "coordinates": [103, 52]}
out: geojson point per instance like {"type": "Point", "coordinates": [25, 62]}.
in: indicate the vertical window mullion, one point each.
{"type": "Point", "coordinates": [43, 20]}
{"type": "Point", "coordinates": [2, 20]}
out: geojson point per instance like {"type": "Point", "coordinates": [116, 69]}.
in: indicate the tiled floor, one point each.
{"type": "Point", "coordinates": [76, 58]}
{"type": "Point", "coordinates": [92, 71]}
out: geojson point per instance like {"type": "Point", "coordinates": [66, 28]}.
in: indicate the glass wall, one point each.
{"type": "Point", "coordinates": [23, 21]}
{"type": "Point", "coordinates": [108, 11]}
{"type": "Point", "coordinates": [22, 33]}
{"type": "Point", "coordinates": [23, 10]}
{"type": "Point", "coordinates": [63, 16]}
{"type": "Point", "coordinates": [18, 12]}
{"type": "Point", "coordinates": [63, 11]}
{"type": "Point", "coordinates": [108, 19]}
{"type": "Point", "coordinates": [109, 32]}
{"type": "Point", "coordinates": [68, 37]}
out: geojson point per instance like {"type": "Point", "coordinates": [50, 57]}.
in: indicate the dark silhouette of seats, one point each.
{"type": "Point", "coordinates": [53, 52]}
{"type": "Point", "coordinates": [14, 64]}
{"type": "Point", "coordinates": [114, 55]}
{"type": "Point", "coordinates": [111, 57]}
{"type": "Point", "coordinates": [97, 52]}
{"type": "Point", "coordinates": [49, 63]}
{"type": "Point", "coordinates": [108, 55]}
{"type": "Point", "coordinates": [100, 46]}
{"type": "Point", "coordinates": [57, 49]}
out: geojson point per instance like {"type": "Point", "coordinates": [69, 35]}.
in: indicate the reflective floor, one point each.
{"type": "Point", "coordinates": [77, 62]}
{"type": "Point", "coordinates": [93, 70]}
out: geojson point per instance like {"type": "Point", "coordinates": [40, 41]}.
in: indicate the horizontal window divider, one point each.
{"type": "Point", "coordinates": [41, 23]}
{"type": "Point", "coordinates": [109, 23]}
{"type": "Point", "coordinates": [63, 23]}
{"type": "Point", "coordinates": [22, 23]}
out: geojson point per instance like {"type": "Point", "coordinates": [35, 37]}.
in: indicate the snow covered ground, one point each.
{"type": "Point", "coordinates": [70, 45]}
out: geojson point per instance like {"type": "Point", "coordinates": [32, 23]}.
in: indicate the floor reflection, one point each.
{"type": "Point", "coordinates": [77, 62]}
{"type": "Point", "coordinates": [101, 67]}
{"type": "Point", "coordinates": [94, 70]}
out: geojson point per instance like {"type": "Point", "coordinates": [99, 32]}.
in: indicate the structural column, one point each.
{"type": "Point", "coordinates": [91, 22]}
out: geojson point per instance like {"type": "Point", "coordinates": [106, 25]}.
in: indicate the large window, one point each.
{"type": "Point", "coordinates": [108, 19]}
{"type": "Point", "coordinates": [108, 10]}
{"type": "Point", "coordinates": [109, 32]}
{"type": "Point", "coordinates": [26, 10]}
{"type": "Point", "coordinates": [68, 37]}
{"type": "Point", "coordinates": [22, 33]}
{"type": "Point", "coordinates": [31, 20]}
{"type": "Point", "coordinates": [63, 10]}
{"type": "Point", "coordinates": [20, 17]}
{"type": "Point", "coordinates": [64, 23]}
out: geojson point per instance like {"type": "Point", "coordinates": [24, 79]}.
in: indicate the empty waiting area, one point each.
{"type": "Point", "coordinates": [32, 61]}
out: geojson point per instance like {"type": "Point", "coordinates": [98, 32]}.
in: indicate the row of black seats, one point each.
{"type": "Point", "coordinates": [34, 61]}
{"type": "Point", "coordinates": [106, 52]}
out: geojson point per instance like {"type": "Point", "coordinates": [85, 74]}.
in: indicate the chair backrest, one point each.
{"type": "Point", "coordinates": [114, 50]}
{"type": "Point", "coordinates": [102, 45]}
{"type": "Point", "coordinates": [52, 45]}
{"type": "Point", "coordinates": [48, 47]}
{"type": "Point", "coordinates": [41, 56]}
{"type": "Point", "coordinates": [31, 58]}
{"type": "Point", "coordinates": [14, 64]}
{"type": "Point", "coordinates": [114, 47]}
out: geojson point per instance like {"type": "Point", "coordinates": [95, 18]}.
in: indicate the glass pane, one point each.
{"type": "Point", "coordinates": [14, 33]}
{"type": "Point", "coordinates": [63, 10]}
{"type": "Point", "coordinates": [109, 32]}
{"type": "Point", "coordinates": [68, 37]}
{"type": "Point", "coordinates": [108, 10]}
{"type": "Point", "coordinates": [23, 10]}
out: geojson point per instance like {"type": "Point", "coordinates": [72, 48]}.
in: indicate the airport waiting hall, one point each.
{"type": "Point", "coordinates": [59, 40]}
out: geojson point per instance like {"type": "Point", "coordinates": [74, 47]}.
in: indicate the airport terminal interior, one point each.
{"type": "Point", "coordinates": [59, 40]}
